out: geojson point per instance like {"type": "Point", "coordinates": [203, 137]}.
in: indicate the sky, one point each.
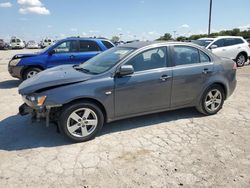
{"type": "Point", "coordinates": [130, 19]}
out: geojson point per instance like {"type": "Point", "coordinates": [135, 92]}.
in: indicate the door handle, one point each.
{"type": "Point", "coordinates": [164, 77]}
{"type": "Point", "coordinates": [206, 71]}
{"type": "Point", "coordinates": [71, 56]}
{"type": "Point", "coordinates": [223, 49]}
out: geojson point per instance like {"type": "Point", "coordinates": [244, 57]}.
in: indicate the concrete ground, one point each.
{"type": "Point", "coordinates": [181, 148]}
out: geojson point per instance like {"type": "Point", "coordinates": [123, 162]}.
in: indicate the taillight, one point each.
{"type": "Point", "coordinates": [235, 66]}
{"type": "Point", "coordinates": [249, 45]}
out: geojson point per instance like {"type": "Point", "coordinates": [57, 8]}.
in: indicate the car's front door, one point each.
{"type": "Point", "coordinates": [221, 50]}
{"type": "Point", "coordinates": [148, 88]}
{"type": "Point", "coordinates": [192, 69]}
{"type": "Point", "coordinates": [62, 54]}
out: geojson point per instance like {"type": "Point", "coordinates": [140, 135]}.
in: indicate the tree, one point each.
{"type": "Point", "coordinates": [167, 36]}
{"type": "Point", "coordinates": [115, 39]}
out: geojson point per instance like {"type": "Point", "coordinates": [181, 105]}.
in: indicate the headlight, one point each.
{"type": "Point", "coordinates": [37, 100]}
{"type": "Point", "coordinates": [14, 62]}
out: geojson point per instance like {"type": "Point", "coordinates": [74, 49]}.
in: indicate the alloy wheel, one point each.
{"type": "Point", "coordinates": [213, 100]}
{"type": "Point", "coordinates": [241, 60]}
{"type": "Point", "coordinates": [31, 73]}
{"type": "Point", "coordinates": [82, 122]}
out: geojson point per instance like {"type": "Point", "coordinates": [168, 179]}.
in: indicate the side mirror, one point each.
{"type": "Point", "coordinates": [213, 46]}
{"type": "Point", "coordinates": [125, 70]}
{"type": "Point", "coordinates": [51, 52]}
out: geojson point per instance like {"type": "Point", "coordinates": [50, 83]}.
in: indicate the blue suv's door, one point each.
{"type": "Point", "coordinates": [64, 53]}
{"type": "Point", "coordinates": [87, 50]}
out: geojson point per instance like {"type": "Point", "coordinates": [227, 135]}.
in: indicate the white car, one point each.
{"type": "Point", "coordinates": [233, 47]}
{"type": "Point", "coordinates": [46, 42]}
{"type": "Point", "coordinates": [32, 45]}
{"type": "Point", "coordinates": [17, 43]}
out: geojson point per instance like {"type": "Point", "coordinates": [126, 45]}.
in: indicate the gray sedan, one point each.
{"type": "Point", "coordinates": [126, 81]}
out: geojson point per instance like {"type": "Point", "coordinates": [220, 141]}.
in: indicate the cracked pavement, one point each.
{"type": "Point", "coordinates": [180, 148]}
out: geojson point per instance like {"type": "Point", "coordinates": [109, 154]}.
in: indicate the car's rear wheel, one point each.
{"type": "Point", "coordinates": [212, 100]}
{"type": "Point", "coordinates": [81, 121]}
{"type": "Point", "coordinates": [30, 72]}
{"type": "Point", "coordinates": [241, 60]}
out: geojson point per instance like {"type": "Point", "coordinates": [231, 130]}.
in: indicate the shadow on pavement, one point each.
{"type": "Point", "coordinates": [18, 133]}
{"type": "Point", "coordinates": [150, 120]}
{"type": "Point", "coordinates": [8, 84]}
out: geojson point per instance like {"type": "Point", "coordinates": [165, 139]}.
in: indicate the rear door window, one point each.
{"type": "Point", "coordinates": [204, 57]}
{"type": "Point", "coordinates": [229, 42]}
{"type": "Point", "coordinates": [184, 55]}
{"type": "Point", "coordinates": [88, 46]}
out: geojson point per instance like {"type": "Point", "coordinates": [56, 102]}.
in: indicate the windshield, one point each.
{"type": "Point", "coordinates": [203, 42]}
{"type": "Point", "coordinates": [44, 50]}
{"type": "Point", "coordinates": [105, 60]}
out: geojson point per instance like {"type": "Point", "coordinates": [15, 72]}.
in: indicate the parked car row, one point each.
{"type": "Point", "coordinates": [17, 43]}
{"type": "Point", "coordinates": [232, 47]}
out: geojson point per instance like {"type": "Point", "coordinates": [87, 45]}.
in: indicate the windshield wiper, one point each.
{"type": "Point", "coordinates": [77, 67]}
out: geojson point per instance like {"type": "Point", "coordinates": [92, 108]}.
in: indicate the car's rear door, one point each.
{"type": "Point", "coordinates": [148, 89]}
{"type": "Point", "coordinates": [191, 69]}
{"type": "Point", "coordinates": [87, 50]}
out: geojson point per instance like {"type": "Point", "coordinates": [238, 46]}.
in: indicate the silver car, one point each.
{"type": "Point", "coordinates": [126, 81]}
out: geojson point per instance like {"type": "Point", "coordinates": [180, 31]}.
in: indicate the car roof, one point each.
{"type": "Point", "coordinates": [207, 38]}
{"type": "Point", "coordinates": [89, 38]}
{"type": "Point", "coordinates": [229, 37]}
{"type": "Point", "coordinates": [142, 44]}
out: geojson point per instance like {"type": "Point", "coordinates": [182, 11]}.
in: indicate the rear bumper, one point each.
{"type": "Point", "coordinates": [16, 71]}
{"type": "Point", "coordinates": [232, 87]}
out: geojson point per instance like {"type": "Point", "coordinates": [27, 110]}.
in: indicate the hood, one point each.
{"type": "Point", "coordinates": [18, 56]}
{"type": "Point", "coordinates": [58, 76]}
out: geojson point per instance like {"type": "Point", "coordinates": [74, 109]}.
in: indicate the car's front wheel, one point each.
{"type": "Point", "coordinates": [81, 121]}
{"type": "Point", "coordinates": [30, 72]}
{"type": "Point", "coordinates": [212, 100]}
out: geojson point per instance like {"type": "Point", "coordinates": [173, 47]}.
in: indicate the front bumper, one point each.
{"type": "Point", "coordinates": [16, 71]}
{"type": "Point", "coordinates": [36, 114]}
{"type": "Point", "coordinates": [24, 109]}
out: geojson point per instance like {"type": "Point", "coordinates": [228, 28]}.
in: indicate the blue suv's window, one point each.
{"type": "Point", "coordinates": [107, 44]}
{"type": "Point", "coordinates": [88, 46]}
{"type": "Point", "coordinates": [66, 47]}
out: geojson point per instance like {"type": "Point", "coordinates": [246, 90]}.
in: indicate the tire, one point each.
{"type": "Point", "coordinates": [241, 59]}
{"type": "Point", "coordinates": [212, 100]}
{"type": "Point", "coordinates": [77, 125]}
{"type": "Point", "coordinates": [30, 71]}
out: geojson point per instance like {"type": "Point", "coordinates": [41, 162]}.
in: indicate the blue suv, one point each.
{"type": "Point", "coordinates": [66, 51]}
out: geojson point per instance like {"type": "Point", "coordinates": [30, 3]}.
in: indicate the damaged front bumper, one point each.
{"type": "Point", "coordinates": [37, 113]}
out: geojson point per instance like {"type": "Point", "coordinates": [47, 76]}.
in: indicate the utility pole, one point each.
{"type": "Point", "coordinates": [210, 13]}
{"type": "Point", "coordinates": [174, 34]}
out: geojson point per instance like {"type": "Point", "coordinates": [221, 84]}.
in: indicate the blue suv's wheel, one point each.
{"type": "Point", "coordinates": [30, 72]}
